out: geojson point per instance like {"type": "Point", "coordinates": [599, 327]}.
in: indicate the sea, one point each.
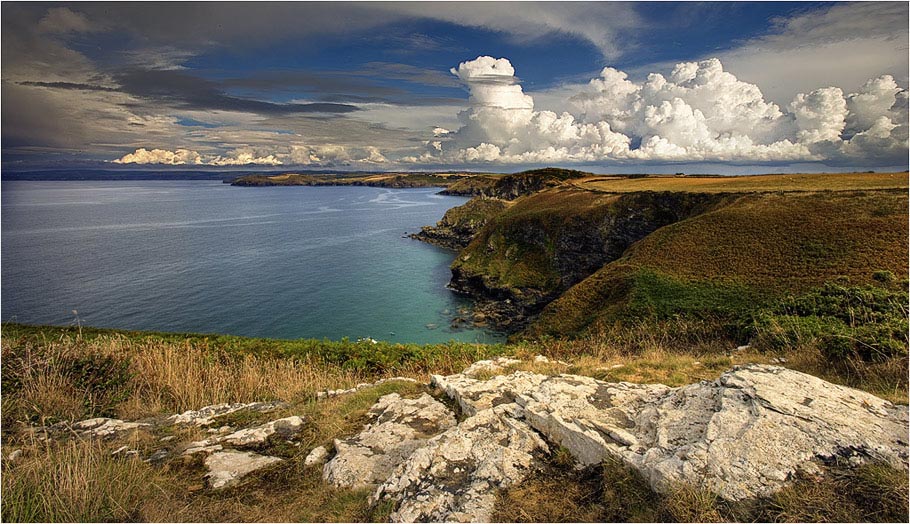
{"type": "Point", "coordinates": [207, 257]}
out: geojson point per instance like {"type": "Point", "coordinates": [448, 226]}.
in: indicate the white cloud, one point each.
{"type": "Point", "coordinates": [842, 45]}
{"type": "Point", "coordinates": [181, 157]}
{"type": "Point", "coordinates": [160, 156]}
{"type": "Point", "coordinates": [320, 155]}
{"type": "Point", "coordinates": [62, 20]}
{"type": "Point", "coordinates": [700, 113]}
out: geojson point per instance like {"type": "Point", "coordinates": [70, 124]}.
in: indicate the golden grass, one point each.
{"type": "Point", "coordinates": [166, 377]}
{"type": "Point", "coordinates": [749, 183]}
{"type": "Point", "coordinates": [74, 481]}
{"type": "Point", "coordinates": [786, 241]}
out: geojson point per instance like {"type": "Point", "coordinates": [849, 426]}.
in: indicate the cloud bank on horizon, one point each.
{"type": "Point", "coordinates": [372, 85]}
{"type": "Point", "coordinates": [701, 113]}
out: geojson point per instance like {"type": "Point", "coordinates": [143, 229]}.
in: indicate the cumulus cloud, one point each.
{"type": "Point", "coordinates": [700, 112]}
{"type": "Point", "coordinates": [160, 156]}
{"type": "Point", "coordinates": [316, 156]}
{"type": "Point", "coordinates": [186, 157]}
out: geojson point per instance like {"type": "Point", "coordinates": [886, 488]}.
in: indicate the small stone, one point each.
{"type": "Point", "coordinates": [14, 456]}
{"type": "Point", "coordinates": [317, 457]}
{"type": "Point", "coordinates": [167, 438]}
{"type": "Point", "coordinates": [157, 456]}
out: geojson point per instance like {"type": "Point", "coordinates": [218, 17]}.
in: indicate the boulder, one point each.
{"type": "Point", "coordinates": [398, 427]}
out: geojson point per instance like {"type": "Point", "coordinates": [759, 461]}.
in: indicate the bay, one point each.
{"type": "Point", "coordinates": [206, 257]}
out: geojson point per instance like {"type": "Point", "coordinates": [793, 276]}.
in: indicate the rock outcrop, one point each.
{"type": "Point", "coordinates": [399, 427]}
{"type": "Point", "coordinates": [742, 436]}
{"type": "Point", "coordinates": [461, 224]}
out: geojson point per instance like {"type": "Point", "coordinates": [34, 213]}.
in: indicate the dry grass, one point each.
{"type": "Point", "coordinates": [162, 377]}
{"type": "Point", "coordinates": [752, 183]}
{"type": "Point", "coordinates": [75, 481]}
{"type": "Point", "coordinates": [614, 492]}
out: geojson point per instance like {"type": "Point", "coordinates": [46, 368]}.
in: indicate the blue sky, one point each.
{"type": "Point", "coordinates": [770, 86]}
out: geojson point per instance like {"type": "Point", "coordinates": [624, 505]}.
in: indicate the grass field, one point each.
{"type": "Point", "coordinates": [747, 184]}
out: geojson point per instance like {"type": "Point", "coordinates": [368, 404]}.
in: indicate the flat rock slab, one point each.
{"type": "Point", "coordinates": [227, 468]}
{"type": "Point", "coordinates": [741, 436]}
{"type": "Point", "coordinates": [399, 426]}
{"type": "Point", "coordinates": [257, 436]}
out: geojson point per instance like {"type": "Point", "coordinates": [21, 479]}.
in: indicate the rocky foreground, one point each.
{"type": "Point", "coordinates": [442, 456]}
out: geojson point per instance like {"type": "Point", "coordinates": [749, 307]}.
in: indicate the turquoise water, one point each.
{"type": "Point", "coordinates": [205, 257]}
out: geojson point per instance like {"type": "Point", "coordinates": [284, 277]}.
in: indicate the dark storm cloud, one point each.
{"type": "Point", "coordinates": [190, 92]}
{"type": "Point", "coordinates": [69, 85]}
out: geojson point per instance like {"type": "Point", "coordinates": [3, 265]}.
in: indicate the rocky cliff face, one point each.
{"type": "Point", "coordinates": [547, 242]}
{"type": "Point", "coordinates": [461, 224]}
{"type": "Point", "coordinates": [511, 187]}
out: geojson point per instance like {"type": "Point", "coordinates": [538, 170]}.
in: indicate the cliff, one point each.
{"type": "Point", "coordinates": [510, 187]}
{"type": "Point", "coordinates": [462, 223]}
{"type": "Point", "coordinates": [577, 254]}
{"type": "Point", "coordinates": [536, 250]}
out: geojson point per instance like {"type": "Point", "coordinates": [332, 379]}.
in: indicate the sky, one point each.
{"type": "Point", "coordinates": [724, 87]}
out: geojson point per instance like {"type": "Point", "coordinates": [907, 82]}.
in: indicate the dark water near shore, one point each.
{"type": "Point", "coordinates": [285, 262]}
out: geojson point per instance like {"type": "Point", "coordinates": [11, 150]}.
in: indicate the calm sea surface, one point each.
{"type": "Point", "coordinates": [284, 262]}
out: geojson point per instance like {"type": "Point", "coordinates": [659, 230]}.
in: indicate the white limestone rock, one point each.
{"type": "Point", "coordinates": [495, 365]}
{"type": "Point", "coordinates": [316, 457]}
{"type": "Point", "coordinates": [741, 436]}
{"type": "Point", "coordinates": [208, 414]}
{"type": "Point", "coordinates": [454, 477]}
{"type": "Point", "coordinates": [285, 427]}
{"type": "Point", "coordinates": [474, 395]}
{"type": "Point", "coordinates": [106, 427]}
{"type": "Point", "coordinates": [398, 427]}
{"type": "Point", "coordinates": [227, 468]}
